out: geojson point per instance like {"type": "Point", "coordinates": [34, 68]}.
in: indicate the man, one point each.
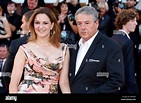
{"type": "Point", "coordinates": [31, 5]}
{"type": "Point", "coordinates": [96, 65]}
{"type": "Point", "coordinates": [14, 47]}
{"type": "Point", "coordinates": [3, 57]}
{"type": "Point", "coordinates": [126, 22]}
{"type": "Point", "coordinates": [136, 38]}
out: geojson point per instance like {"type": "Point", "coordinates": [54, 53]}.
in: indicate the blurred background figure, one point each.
{"type": "Point", "coordinates": [30, 5]}
{"type": "Point", "coordinates": [5, 31]}
{"type": "Point", "coordinates": [104, 18]}
{"type": "Point", "coordinates": [3, 4]}
{"type": "Point", "coordinates": [69, 34]}
{"type": "Point", "coordinates": [24, 27]}
{"type": "Point", "coordinates": [3, 57]}
{"type": "Point", "coordinates": [95, 3]}
{"type": "Point", "coordinates": [13, 18]}
{"type": "Point", "coordinates": [41, 3]}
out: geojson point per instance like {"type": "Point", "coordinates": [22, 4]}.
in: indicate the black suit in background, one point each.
{"type": "Point", "coordinates": [10, 60]}
{"type": "Point", "coordinates": [127, 48]}
{"type": "Point", "coordinates": [101, 70]}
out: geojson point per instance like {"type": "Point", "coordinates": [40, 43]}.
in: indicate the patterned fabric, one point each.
{"type": "Point", "coordinates": [2, 30]}
{"type": "Point", "coordinates": [40, 74]}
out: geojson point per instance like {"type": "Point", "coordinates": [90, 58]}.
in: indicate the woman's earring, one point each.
{"type": "Point", "coordinates": [51, 32]}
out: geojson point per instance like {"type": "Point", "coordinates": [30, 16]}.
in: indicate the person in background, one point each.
{"type": "Point", "coordinates": [31, 5]}
{"type": "Point", "coordinates": [104, 18]}
{"type": "Point", "coordinates": [13, 18]}
{"type": "Point", "coordinates": [15, 45]}
{"type": "Point", "coordinates": [96, 65]}
{"type": "Point", "coordinates": [74, 5]}
{"type": "Point", "coordinates": [43, 70]}
{"type": "Point", "coordinates": [136, 38]}
{"type": "Point", "coordinates": [25, 24]}
{"type": "Point", "coordinates": [67, 24]}
{"type": "Point", "coordinates": [125, 23]}
{"type": "Point", "coordinates": [5, 31]}
{"type": "Point", "coordinates": [41, 3]}
{"type": "Point", "coordinates": [95, 3]}
{"type": "Point", "coordinates": [3, 57]}
{"type": "Point", "coordinates": [3, 4]}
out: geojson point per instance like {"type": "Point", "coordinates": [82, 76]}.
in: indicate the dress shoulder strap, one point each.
{"type": "Point", "coordinates": [64, 49]}
{"type": "Point", "coordinates": [26, 50]}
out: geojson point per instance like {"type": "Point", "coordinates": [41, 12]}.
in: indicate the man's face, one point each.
{"type": "Point", "coordinates": [130, 3]}
{"type": "Point", "coordinates": [3, 52]}
{"type": "Point", "coordinates": [32, 4]}
{"type": "Point", "coordinates": [130, 26]}
{"type": "Point", "coordinates": [87, 27]}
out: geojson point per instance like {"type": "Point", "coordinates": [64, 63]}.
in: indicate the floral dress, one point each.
{"type": "Point", "coordinates": [41, 75]}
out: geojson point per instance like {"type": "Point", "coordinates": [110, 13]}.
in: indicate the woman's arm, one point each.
{"type": "Point", "coordinates": [7, 30]}
{"type": "Point", "coordinates": [64, 80]}
{"type": "Point", "coordinates": [17, 71]}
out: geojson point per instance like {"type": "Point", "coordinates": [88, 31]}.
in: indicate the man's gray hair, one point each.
{"type": "Point", "coordinates": [88, 10]}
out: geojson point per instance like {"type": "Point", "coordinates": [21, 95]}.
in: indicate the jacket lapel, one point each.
{"type": "Point", "coordinates": [90, 51]}
{"type": "Point", "coordinates": [73, 61]}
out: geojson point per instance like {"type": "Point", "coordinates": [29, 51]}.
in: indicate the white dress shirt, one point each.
{"type": "Point", "coordinates": [83, 48]}
{"type": "Point", "coordinates": [1, 85]}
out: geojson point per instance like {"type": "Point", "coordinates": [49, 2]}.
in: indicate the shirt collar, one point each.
{"type": "Point", "coordinates": [3, 60]}
{"type": "Point", "coordinates": [89, 42]}
{"type": "Point", "coordinates": [124, 32]}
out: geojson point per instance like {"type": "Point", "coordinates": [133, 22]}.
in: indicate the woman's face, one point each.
{"type": "Point", "coordinates": [42, 25]}
{"type": "Point", "coordinates": [64, 8]}
{"type": "Point", "coordinates": [11, 8]}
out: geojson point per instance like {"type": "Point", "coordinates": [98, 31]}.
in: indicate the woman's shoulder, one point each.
{"type": "Point", "coordinates": [26, 45]}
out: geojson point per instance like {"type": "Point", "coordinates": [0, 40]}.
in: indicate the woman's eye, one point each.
{"type": "Point", "coordinates": [36, 22]}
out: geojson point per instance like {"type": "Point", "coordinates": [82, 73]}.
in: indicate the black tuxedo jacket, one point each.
{"type": "Point", "coordinates": [101, 70]}
{"type": "Point", "coordinates": [127, 47]}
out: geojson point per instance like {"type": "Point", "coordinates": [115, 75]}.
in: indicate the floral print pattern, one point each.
{"type": "Point", "coordinates": [40, 75]}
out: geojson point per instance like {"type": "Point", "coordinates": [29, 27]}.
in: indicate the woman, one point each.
{"type": "Point", "coordinates": [69, 34]}
{"type": "Point", "coordinates": [13, 18]}
{"type": "Point", "coordinates": [43, 59]}
{"type": "Point", "coordinates": [126, 22]}
{"type": "Point", "coordinates": [5, 32]}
